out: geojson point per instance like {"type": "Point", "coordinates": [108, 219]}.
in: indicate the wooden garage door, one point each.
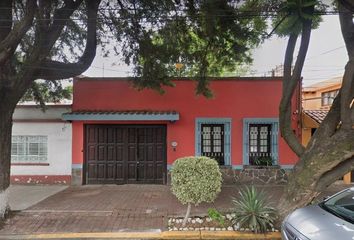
{"type": "Point", "coordinates": [125, 154]}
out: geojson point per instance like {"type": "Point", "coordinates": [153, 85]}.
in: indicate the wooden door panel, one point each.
{"type": "Point", "coordinates": [120, 132]}
{"type": "Point", "coordinates": [150, 135]}
{"type": "Point", "coordinates": [132, 135]}
{"type": "Point", "coordinates": [101, 135]}
{"type": "Point", "coordinates": [91, 135]}
{"type": "Point", "coordinates": [111, 135]}
{"type": "Point", "coordinates": [91, 153]}
{"type": "Point", "coordinates": [141, 172]}
{"type": "Point", "coordinates": [160, 154]}
{"type": "Point", "coordinates": [131, 171]}
{"type": "Point", "coordinates": [92, 170]}
{"type": "Point", "coordinates": [120, 153]}
{"type": "Point", "coordinates": [150, 153]}
{"type": "Point", "coordinates": [111, 150]}
{"type": "Point", "coordinates": [120, 173]}
{"type": "Point", "coordinates": [110, 171]}
{"type": "Point", "coordinates": [101, 171]}
{"type": "Point", "coordinates": [159, 170]}
{"type": "Point", "coordinates": [101, 153]}
{"type": "Point", "coordinates": [131, 153]}
{"type": "Point", "coordinates": [125, 154]}
{"type": "Point", "coordinates": [160, 136]}
{"type": "Point", "coordinates": [141, 153]}
{"type": "Point", "coordinates": [150, 171]}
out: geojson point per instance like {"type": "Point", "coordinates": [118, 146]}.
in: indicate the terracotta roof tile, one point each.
{"type": "Point", "coordinates": [316, 115]}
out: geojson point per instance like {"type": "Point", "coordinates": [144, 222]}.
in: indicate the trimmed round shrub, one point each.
{"type": "Point", "coordinates": [195, 180]}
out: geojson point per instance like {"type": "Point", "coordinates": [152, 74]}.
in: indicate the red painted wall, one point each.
{"type": "Point", "coordinates": [236, 99]}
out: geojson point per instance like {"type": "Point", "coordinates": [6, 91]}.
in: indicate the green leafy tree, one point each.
{"type": "Point", "coordinates": [34, 36]}
{"type": "Point", "coordinates": [195, 180]}
{"type": "Point", "coordinates": [48, 91]}
{"type": "Point", "coordinates": [54, 40]}
{"type": "Point", "coordinates": [330, 153]}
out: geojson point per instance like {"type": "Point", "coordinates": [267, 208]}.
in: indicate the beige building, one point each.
{"type": "Point", "coordinates": [320, 96]}
{"type": "Point", "coordinates": [316, 101]}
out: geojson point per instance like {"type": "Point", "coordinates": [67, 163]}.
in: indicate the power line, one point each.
{"type": "Point", "coordinates": [326, 52]}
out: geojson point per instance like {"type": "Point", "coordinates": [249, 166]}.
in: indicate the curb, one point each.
{"type": "Point", "coordinates": [149, 235]}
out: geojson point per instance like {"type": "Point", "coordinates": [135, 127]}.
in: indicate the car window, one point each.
{"type": "Point", "coordinates": [341, 205]}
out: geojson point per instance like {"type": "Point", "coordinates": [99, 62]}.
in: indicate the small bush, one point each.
{"type": "Point", "coordinates": [252, 210]}
{"type": "Point", "coordinates": [195, 180]}
{"type": "Point", "coordinates": [264, 161]}
{"type": "Point", "coordinates": [216, 216]}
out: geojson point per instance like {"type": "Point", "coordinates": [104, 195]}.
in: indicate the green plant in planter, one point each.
{"type": "Point", "coordinates": [195, 180]}
{"type": "Point", "coordinates": [264, 161]}
{"type": "Point", "coordinates": [216, 216]}
{"type": "Point", "coordinates": [252, 210]}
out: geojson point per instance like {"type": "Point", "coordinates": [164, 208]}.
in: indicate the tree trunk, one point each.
{"type": "Point", "coordinates": [6, 111]}
{"type": "Point", "coordinates": [325, 161]}
{"type": "Point", "coordinates": [187, 214]}
{"type": "Point", "coordinates": [330, 153]}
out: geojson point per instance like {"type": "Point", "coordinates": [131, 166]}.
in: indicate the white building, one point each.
{"type": "Point", "coordinates": [41, 145]}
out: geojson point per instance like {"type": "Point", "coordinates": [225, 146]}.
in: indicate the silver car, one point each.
{"type": "Point", "coordinates": [331, 219]}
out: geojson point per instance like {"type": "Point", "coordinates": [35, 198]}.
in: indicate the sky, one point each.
{"type": "Point", "coordinates": [325, 59]}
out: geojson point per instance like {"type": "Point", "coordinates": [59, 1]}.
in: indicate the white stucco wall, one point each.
{"type": "Point", "coordinates": [25, 112]}
{"type": "Point", "coordinates": [59, 147]}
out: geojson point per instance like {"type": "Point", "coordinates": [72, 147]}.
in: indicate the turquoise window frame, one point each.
{"type": "Point", "coordinates": [227, 135]}
{"type": "Point", "coordinates": [274, 122]}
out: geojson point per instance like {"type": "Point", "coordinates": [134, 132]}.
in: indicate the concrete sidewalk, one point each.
{"type": "Point", "coordinates": [116, 208]}
{"type": "Point", "coordinates": [25, 196]}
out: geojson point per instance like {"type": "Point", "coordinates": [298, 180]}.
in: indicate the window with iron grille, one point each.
{"type": "Point", "coordinates": [213, 142]}
{"type": "Point", "coordinates": [213, 139]}
{"type": "Point", "coordinates": [29, 149]}
{"type": "Point", "coordinates": [259, 143]}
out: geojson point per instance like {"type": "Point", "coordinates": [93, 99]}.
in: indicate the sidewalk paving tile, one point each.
{"type": "Point", "coordinates": [113, 208]}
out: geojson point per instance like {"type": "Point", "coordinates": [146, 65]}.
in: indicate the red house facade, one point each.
{"type": "Point", "coordinates": [122, 135]}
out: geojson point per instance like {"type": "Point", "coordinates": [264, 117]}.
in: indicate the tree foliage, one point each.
{"type": "Point", "coordinates": [208, 37]}
{"type": "Point", "coordinates": [57, 39]}
{"type": "Point", "coordinates": [47, 91]}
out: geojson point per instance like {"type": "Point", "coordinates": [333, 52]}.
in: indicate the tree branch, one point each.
{"type": "Point", "coordinates": [288, 60]}
{"type": "Point", "coordinates": [5, 18]}
{"type": "Point", "coordinates": [52, 70]}
{"type": "Point", "coordinates": [290, 82]}
{"type": "Point", "coordinates": [60, 19]}
{"type": "Point", "coordinates": [335, 173]}
{"type": "Point", "coordinates": [42, 47]}
{"type": "Point", "coordinates": [9, 44]}
{"type": "Point", "coordinates": [347, 4]}
{"type": "Point", "coordinates": [347, 95]}
{"type": "Point", "coordinates": [347, 27]}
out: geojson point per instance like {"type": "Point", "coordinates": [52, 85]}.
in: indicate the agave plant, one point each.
{"type": "Point", "coordinates": [252, 210]}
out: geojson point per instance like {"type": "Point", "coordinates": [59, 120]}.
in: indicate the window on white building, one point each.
{"type": "Point", "coordinates": [29, 149]}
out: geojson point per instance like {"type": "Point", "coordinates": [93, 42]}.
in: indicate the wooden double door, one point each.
{"type": "Point", "coordinates": [119, 154]}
